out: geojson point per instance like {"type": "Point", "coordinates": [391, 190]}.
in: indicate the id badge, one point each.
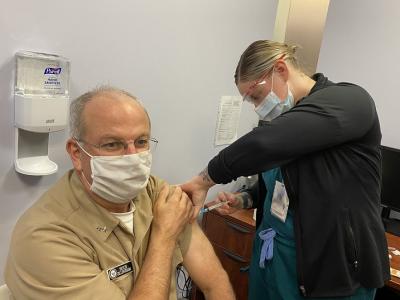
{"type": "Point", "coordinates": [280, 202]}
{"type": "Point", "coordinates": [120, 270]}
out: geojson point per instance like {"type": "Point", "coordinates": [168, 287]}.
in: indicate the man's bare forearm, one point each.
{"type": "Point", "coordinates": [155, 276]}
{"type": "Point", "coordinates": [224, 290]}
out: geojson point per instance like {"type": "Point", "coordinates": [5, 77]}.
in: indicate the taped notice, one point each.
{"type": "Point", "coordinates": [228, 120]}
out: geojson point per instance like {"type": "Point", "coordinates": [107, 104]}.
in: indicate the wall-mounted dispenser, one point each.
{"type": "Point", "coordinates": [41, 103]}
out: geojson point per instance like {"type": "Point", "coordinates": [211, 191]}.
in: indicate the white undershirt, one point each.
{"type": "Point", "coordinates": [127, 217]}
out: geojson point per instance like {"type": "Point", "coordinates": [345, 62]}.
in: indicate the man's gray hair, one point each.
{"type": "Point", "coordinates": [76, 120]}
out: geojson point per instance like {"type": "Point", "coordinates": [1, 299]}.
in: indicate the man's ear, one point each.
{"type": "Point", "coordinates": [74, 153]}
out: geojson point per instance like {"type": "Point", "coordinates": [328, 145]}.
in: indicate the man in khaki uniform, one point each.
{"type": "Point", "coordinates": [108, 229]}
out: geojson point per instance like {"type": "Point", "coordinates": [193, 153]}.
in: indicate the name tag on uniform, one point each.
{"type": "Point", "coordinates": [120, 270]}
{"type": "Point", "coordinates": [280, 202]}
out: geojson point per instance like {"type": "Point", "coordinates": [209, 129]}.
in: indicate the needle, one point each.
{"type": "Point", "coordinates": [207, 209]}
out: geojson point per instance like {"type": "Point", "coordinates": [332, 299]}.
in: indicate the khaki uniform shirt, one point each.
{"type": "Point", "coordinates": [67, 247]}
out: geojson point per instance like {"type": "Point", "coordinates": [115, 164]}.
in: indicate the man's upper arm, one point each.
{"type": "Point", "coordinates": [52, 263]}
{"type": "Point", "coordinates": [201, 261]}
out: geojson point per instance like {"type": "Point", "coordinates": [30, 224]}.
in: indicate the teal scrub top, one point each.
{"type": "Point", "coordinates": [278, 280]}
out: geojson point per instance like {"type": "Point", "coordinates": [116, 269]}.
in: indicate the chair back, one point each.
{"type": "Point", "coordinates": [5, 293]}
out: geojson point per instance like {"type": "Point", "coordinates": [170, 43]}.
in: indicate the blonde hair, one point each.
{"type": "Point", "coordinates": [260, 57]}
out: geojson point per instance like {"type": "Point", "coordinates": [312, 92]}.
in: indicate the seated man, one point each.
{"type": "Point", "coordinates": [108, 229]}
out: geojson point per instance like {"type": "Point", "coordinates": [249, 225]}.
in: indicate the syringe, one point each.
{"type": "Point", "coordinates": [207, 209]}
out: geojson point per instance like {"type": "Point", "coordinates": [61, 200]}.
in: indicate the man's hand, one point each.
{"type": "Point", "coordinates": [197, 189]}
{"type": "Point", "coordinates": [172, 212]}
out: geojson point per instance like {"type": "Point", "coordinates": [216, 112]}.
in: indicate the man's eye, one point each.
{"type": "Point", "coordinates": [141, 143]}
{"type": "Point", "coordinates": [112, 146]}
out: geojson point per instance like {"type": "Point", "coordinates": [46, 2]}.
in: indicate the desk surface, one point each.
{"type": "Point", "coordinates": [245, 216]}
{"type": "Point", "coordinates": [394, 241]}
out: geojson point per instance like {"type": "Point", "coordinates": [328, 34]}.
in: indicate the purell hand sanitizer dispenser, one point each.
{"type": "Point", "coordinates": [41, 105]}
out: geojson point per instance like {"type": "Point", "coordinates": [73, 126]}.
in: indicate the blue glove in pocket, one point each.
{"type": "Point", "coordinates": [267, 249]}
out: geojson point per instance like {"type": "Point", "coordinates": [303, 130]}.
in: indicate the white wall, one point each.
{"type": "Point", "coordinates": [178, 56]}
{"type": "Point", "coordinates": [361, 44]}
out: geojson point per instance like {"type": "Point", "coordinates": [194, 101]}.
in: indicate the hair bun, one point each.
{"type": "Point", "coordinates": [293, 49]}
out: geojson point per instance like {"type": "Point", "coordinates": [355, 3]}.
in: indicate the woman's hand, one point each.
{"type": "Point", "coordinates": [232, 203]}
{"type": "Point", "coordinates": [197, 189]}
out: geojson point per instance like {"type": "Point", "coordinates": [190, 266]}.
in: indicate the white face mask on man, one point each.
{"type": "Point", "coordinates": [119, 179]}
{"type": "Point", "coordinates": [272, 106]}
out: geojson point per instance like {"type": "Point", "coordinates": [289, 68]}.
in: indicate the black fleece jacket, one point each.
{"type": "Point", "coordinates": [328, 147]}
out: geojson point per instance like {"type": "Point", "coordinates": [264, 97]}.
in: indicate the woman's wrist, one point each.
{"type": "Point", "coordinates": [244, 200]}
{"type": "Point", "coordinates": [206, 180]}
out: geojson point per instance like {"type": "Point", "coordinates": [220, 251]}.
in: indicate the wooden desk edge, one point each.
{"type": "Point", "coordinates": [393, 241]}
{"type": "Point", "coordinates": [243, 216]}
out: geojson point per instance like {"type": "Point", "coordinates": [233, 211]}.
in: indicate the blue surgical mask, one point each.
{"type": "Point", "coordinates": [272, 106]}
